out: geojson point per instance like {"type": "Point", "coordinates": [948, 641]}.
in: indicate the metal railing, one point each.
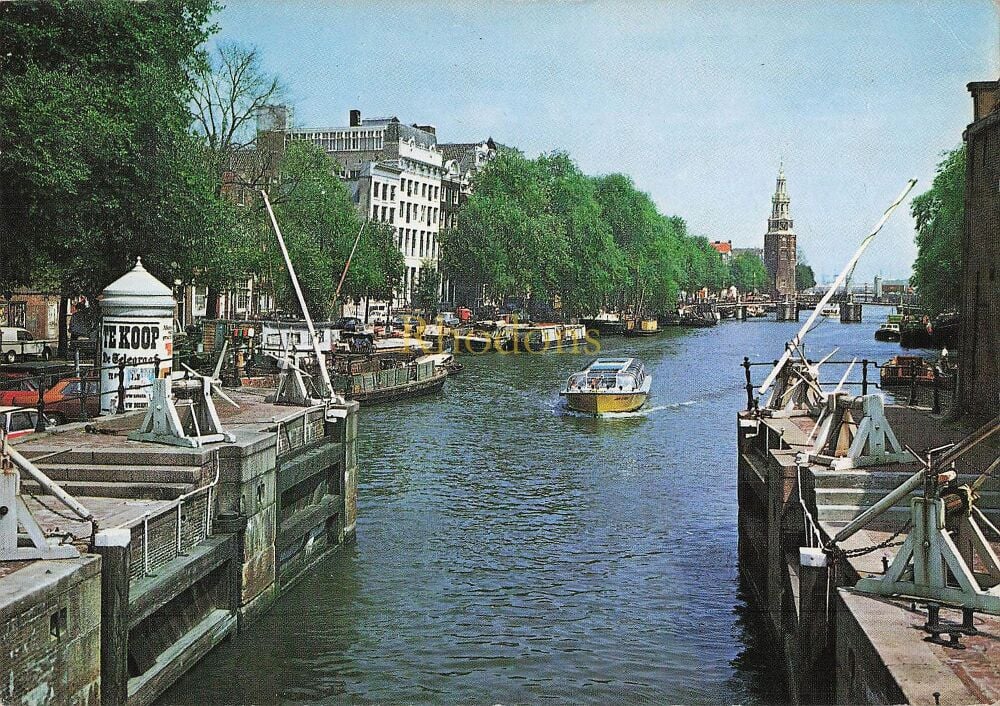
{"type": "Point", "coordinates": [177, 506]}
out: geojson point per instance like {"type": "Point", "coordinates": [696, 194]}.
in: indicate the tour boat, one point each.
{"type": "Point", "coordinates": [831, 310]}
{"type": "Point", "coordinates": [887, 332]}
{"type": "Point", "coordinates": [641, 327]}
{"type": "Point", "coordinates": [608, 385]}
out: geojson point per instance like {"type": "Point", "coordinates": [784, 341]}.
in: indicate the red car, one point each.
{"type": "Point", "coordinates": [62, 400]}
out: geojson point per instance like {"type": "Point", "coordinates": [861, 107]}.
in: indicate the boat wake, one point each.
{"type": "Point", "coordinates": [643, 412]}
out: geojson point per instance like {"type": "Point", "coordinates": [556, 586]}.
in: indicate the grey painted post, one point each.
{"type": "Point", "coordinates": [113, 546]}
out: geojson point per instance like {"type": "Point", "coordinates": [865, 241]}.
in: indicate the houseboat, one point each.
{"type": "Point", "coordinates": [902, 369]}
{"type": "Point", "coordinates": [608, 385]}
{"type": "Point", "coordinates": [641, 327]}
{"type": "Point", "coordinates": [380, 379]}
{"type": "Point", "coordinates": [539, 338]}
{"type": "Point", "coordinates": [605, 324]}
{"type": "Point", "coordinates": [472, 341]}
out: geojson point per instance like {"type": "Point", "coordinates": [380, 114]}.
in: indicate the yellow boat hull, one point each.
{"type": "Point", "coordinates": [604, 402]}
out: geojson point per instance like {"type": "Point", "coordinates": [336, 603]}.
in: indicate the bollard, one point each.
{"type": "Point", "coordinates": [913, 382]}
{"type": "Point", "coordinates": [113, 547]}
{"type": "Point", "coordinates": [121, 387]}
{"type": "Point", "coordinates": [40, 422]}
{"type": "Point", "coordinates": [749, 385]}
{"type": "Point", "coordinates": [864, 376]}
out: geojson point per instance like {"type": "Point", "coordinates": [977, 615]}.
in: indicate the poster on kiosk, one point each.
{"type": "Point", "coordinates": [137, 327]}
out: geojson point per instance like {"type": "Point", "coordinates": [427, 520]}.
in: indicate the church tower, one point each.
{"type": "Point", "coordinates": [779, 242]}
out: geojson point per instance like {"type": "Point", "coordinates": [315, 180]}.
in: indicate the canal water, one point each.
{"type": "Point", "coordinates": [511, 552]}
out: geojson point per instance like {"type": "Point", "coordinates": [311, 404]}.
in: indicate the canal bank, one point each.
{"type": "Point", "coordinates": [172, 549]}
{"type": "Point", "coordinates": [512, 552]}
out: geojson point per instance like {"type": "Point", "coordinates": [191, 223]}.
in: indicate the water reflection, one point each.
{"type": "Point", "coordinates": [510, 552]}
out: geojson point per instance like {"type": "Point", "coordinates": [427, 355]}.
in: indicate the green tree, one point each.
{"type": "Point", "coordinates": [940, 213]}
{"type": "Point", "coordinates": [426, 295]}
{"type": "Point", "coordinates": [804, 277]}
{"type": "Point", "coordinates": [99, 166]}
{"type": "Point", "coordinates": [320, 225]}
{"type": "Point", "coordinates": [747, 272]}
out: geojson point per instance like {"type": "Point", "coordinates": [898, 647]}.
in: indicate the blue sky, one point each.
{"type": "Point", "coordinates": [696, 101]}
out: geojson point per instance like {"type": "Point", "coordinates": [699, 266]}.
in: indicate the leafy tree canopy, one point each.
{"type": "Point", "coordinates": [541, 229]}
{"type": "Point", "coordinates": [99, 165]}
{"type": "Point", "coordinates": [940, 213]}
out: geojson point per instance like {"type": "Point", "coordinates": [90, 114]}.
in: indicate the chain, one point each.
{"type": "Point", "coordinates": [861, 551]}
{"type": "Point", "coordinates": [72, 518]}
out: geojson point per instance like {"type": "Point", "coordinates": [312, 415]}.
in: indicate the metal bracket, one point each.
{"type": "Point", "coordinates": [292, 387]}
{"type": "Point", "coordinates": [31, 543]}
{"type": "Point", "coordinates": [855, 434]}
{"type": "Point", "coordinates": [796, 391]}
{"type": "Point", "coordinates": [165, 424]}
{"type": "Point", "coordinates": [931, 565]}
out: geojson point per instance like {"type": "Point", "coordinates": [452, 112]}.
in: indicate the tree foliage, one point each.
{"type": "Point", "coordinates": [940, 213]}
{"type": "Point", "coordinates": [540, 229]}
{"type": "Point", "coordinates": [804, 276]}
{"type": "Point", "coordinates": [747, 272]}
{"type": "Point", "coordinates": [426, 294]}
{"type": "Point", "coordinates": [99, 164]}
{"type": "Point", "coordinates": [320, 225]}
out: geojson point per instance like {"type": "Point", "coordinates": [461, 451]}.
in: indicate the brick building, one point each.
{"type": "Point", "coordinates": [979, 378]}
{"type": "Point", "coordinates": [779, 242]}
{"type": "Point", "coordinates": [36, 311]}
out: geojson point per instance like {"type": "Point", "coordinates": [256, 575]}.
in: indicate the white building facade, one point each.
{"type": "Point", "coordinates": [394, 171]}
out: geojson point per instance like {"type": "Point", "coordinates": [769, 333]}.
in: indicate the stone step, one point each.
{"type": "Point", "coordinates": [121, 474]}
{"type": "Point", "coordinates": [139, 455]}
{"type": "Point", "coordinates": [866, 497]}
{"type": "Point", "coordinates": [98, 489]}
{"type": "Point", "coordinates": [846, 513]}
{"type": "Point", "coordinates": [859, 478]}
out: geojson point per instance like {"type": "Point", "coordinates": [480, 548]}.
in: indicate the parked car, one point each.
{"type": "Point", "coordinates": [18, 343]}
{"type": "Point", "coordinates": [19, 421]}
{"type": "Point", "coordinates": [62, 400]}
{"type": "Point", "coordinates": [446, 318]}
{"type": "Point", "coordinates": [349, 323]}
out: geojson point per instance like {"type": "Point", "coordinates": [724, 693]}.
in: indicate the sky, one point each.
{"type": "Point", "coordinates": [699, 102]}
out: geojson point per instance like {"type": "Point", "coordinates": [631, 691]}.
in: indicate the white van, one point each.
{"type": "Point", "coordinates": [18, 343]}
{"type": "Point", "coordinates": [378, 313]}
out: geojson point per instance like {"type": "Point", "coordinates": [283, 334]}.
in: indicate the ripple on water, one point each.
{"type": "Point", "coordinates": [511, 551]}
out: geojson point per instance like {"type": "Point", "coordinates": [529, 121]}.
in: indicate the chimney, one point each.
{"type": "Point", "coordinates": [355, 118]}
{"type": "Point", "coordinates": [427, 128]}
